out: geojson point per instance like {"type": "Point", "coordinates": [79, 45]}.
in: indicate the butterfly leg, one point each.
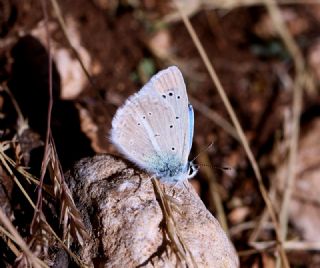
{"type": "Point", "coordinates": [148, 180]}
{"type": "Point", "coordinates": [173, 188]}
{"type": "Point", "coordinates": [185, 186]}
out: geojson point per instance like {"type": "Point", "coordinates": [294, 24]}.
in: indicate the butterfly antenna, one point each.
{"type": "Point", "coordinates": [215, 167]}
{"type": "Point", "coordinates": [203, 150]}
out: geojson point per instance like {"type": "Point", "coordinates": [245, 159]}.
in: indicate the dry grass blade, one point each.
{"type": "Point", "coordinates": [206, 169]}
{"type": "Point", "coordinates": [22, 170]}
{"type": "Point", "coordinates": [178, 245]}
{"type": "Point", "coordinates": [8, 238]}
{"type": "Point", "coordinates": [69, 216]}
{"type": "Point", "coordinates": [58, 13]}
{"type": "Point", "coordinates": [4, 87]}
{"type": "Point", "coordinates": [263, 219]}
{"type": "Point", "coordinates": [232, 4]}
{"type": "Point", "coordinates": [9, 170]}
{"type": "Point", "coordinates": [215, 117]}
{"type": "Point", "coordinates": [31, 259]}
{"type": "Point", "coordinates": [239, 129]}
{"type": "Point", "coordinates": [38, 216]}
{"type": "Point", "coordinates": [39, 242]}
{"type": "Point", "coordinates": [288, 245]}
{"type": "Point", "coordinates": [48, 227]}
{"type": "Point", "coordinates": [23, 130]}
{"type": "Point", "coordinates": [299, 84]}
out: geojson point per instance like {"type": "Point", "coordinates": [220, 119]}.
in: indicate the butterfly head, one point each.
{"type": "Point", "coordinates": [192, 169]}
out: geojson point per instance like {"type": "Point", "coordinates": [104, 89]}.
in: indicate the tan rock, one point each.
{"type": "Point", "coordinates": [125, 220]}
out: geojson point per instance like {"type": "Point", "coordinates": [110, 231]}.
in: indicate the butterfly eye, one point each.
{"type": "Point", "coordinates": [172, 149]}
{"type": "Point", "coordinates": [164, 96]}
{"type": "Point", "coordinates": [177, 117]}
{"type": "Point", "coordinates": [170, 94]}
{"type": "Point", "coordinates": [178, 97]}
{"type": "Point", "coordinates": [171, 126]}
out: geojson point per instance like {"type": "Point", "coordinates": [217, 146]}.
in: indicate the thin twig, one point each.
{"type": "Point", "coordinates": [263, 219]}
{"type": "Point", "coordinates": [215, 117]}
{"type": "Point", "coordinates": [33, 205]}
{"type": "Point", "coordinates": [206, 169]}
{"type": "Point", "coordinates": [288, 245]}
{"type": "Point", "coordinates": [298, 85]}
{"type": "Point", "coordinates": [7, 237]}
{"type": "Point", "coordinates": [223, 4]}
{"type": "Point", "coordinates": [176, 239]}
{"type": "Point", "coordinates": [14, 102]}
{"type": "Point", "coordinates": [239, 129]}
{"type": "Point", "coordinates": [58, 13]}
{"type": "Point", "coordinates": [48, 131]}
{"type": "Point", "coordinates": [35, 261]}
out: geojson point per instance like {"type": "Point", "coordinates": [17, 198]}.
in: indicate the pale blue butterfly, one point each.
{"type": "Point", "coordinates": [154, 128]}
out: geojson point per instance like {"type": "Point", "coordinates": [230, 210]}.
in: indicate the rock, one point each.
{"type": "Point", "coordinates": [125, 221]}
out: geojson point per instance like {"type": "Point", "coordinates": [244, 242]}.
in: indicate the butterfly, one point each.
{"type": "Point", "coordinates": [154, 128]}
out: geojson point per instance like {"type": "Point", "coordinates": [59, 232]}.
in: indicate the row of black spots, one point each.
{"type": "Point", "coordinates": [171, 126]}
{"type": "Point", "coordinates": [144, 117]}
{"type": "Point", "coordinates": [170, 95]}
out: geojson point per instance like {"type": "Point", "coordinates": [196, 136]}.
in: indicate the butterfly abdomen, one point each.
{"type": "Point", "coordinates": [167, 167]}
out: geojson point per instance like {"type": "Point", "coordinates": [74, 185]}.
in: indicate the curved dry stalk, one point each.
{"type": "Point", "coordinates": [206, 169]}
{"type": "Point", "coordinates": [69, 214]}
{"type": "Point", "coordinates": [8, 238]}
{"type": "Point", "coordinates": [37, 217]}
{"type": "Point", "coordinates": [239, 129]}
{"type": "Point", "coordinates": [215, 117]}
{"type": "Point", "coordinates": [232, 4]}
{"type": "Point", "coordinates": [179, 246]}
{"type": "Point", "coordinates": [288, 245]}
{"type": "Point", "coordinates": [21, 119]}
{"type": "Point", "coordinates": [62, 24]}
{"type": "Point", "coordinates": [9, 170]}
{"type": "Point", "coordinates": [298, 86]}
{"type": "Point", "coordinates": [31, 258]}
{"type": "Point", "coordinates": [42, 218]}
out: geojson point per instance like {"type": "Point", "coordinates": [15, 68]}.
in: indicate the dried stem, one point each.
{"type": "Point", "coordinates": [32, 259]}
{"type": "Point", "coordinates": [215, 117]}
{"type": "Point", "coordinates": [298, 85]}
{"type": "Point", "coordinates": [69, 215]}
{"type": "Point", "coordinates": [4, 162]}
{"type": "Point", "coordinates": [239, 129]}
{"type": "Point", "coordinates": [176, 239]}
{"type": "Point", "coordinates": [62, 24]}
{"type": "Point", "coordinates": [206, 169]}
{"type": "Point", "coordinates": [8, 238]}
{"type": "Point", "coordinates": [45, 159]}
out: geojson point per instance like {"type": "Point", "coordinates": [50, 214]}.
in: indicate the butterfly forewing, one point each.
{"type": "Point", "coordinates": [153, 125]}
{"type": "Point", "coordinates": [170, 85]}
